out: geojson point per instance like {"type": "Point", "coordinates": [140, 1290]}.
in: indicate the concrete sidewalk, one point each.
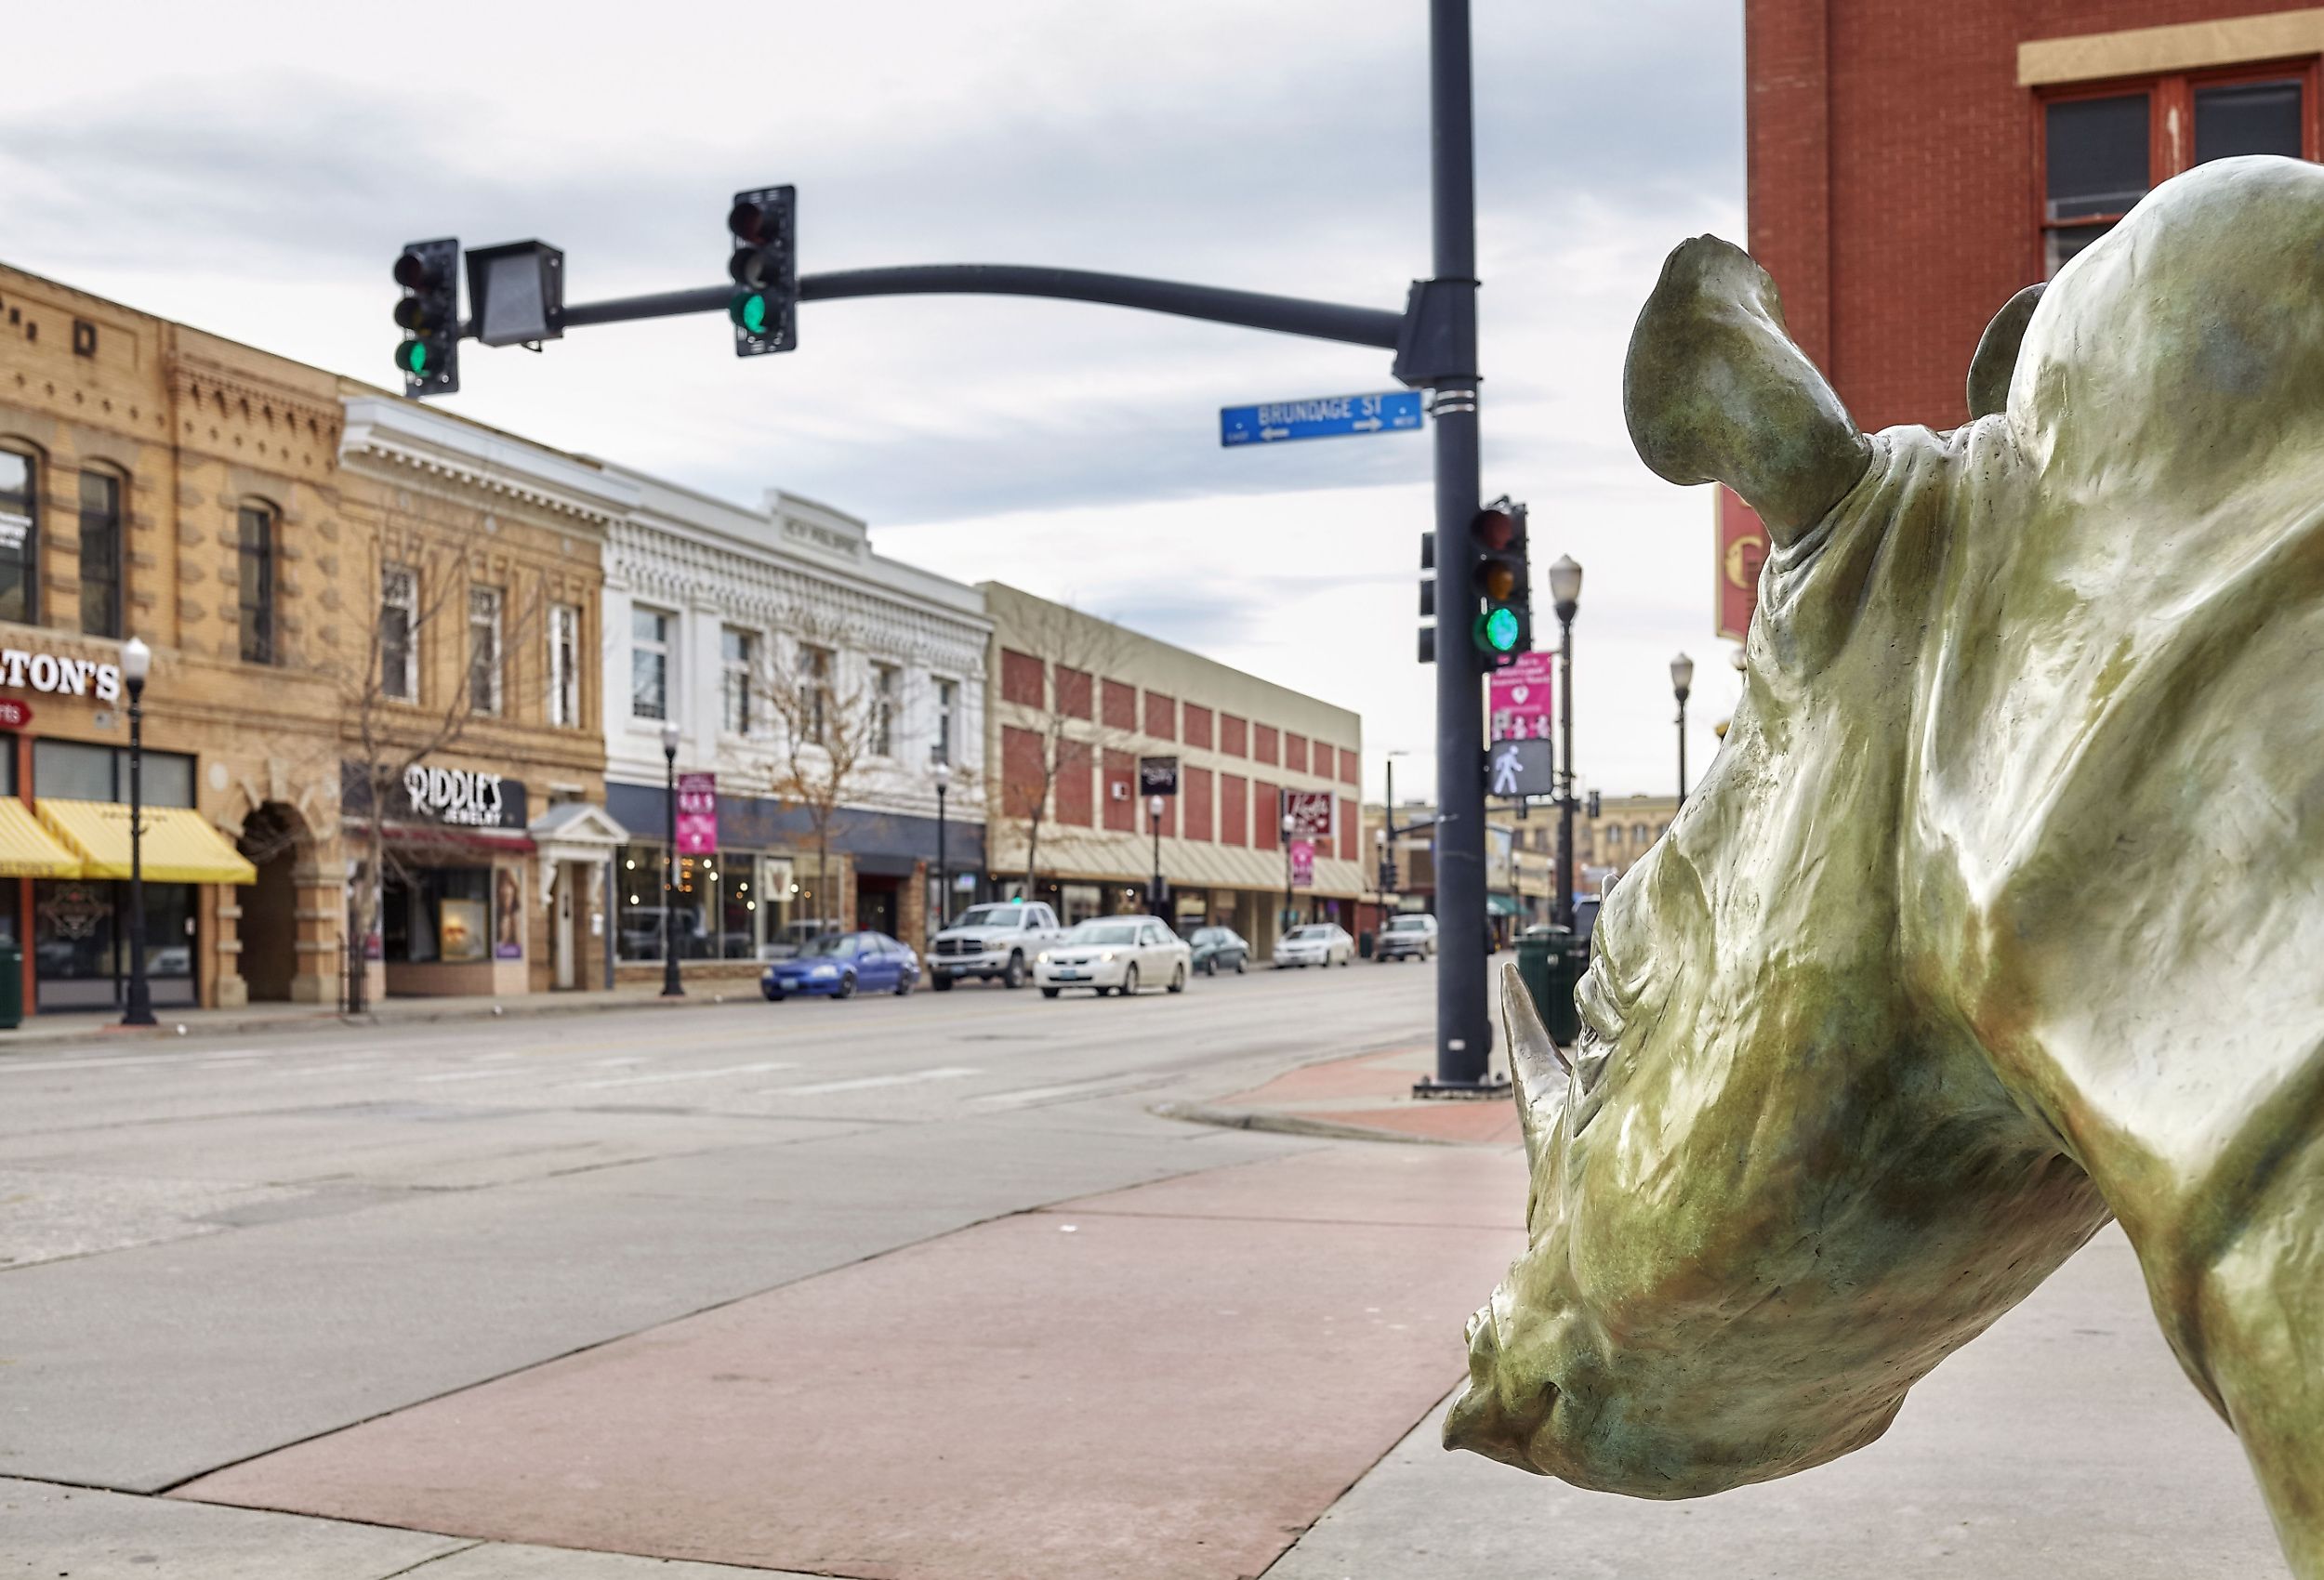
{"type": "Point", "coordinates": [52, 1031]}
{"type": "Point", "coordinates": [1365, 1098]}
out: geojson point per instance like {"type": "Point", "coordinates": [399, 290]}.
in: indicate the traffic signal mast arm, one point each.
{"type": "Point", "coordinates": [1252, 310]}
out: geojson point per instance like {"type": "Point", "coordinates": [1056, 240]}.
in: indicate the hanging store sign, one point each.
{"type": "Point", "coordinates": [1310, 812]}
{"type": "Point", "coordinates": [1158, 776]}
{"type": "Point", "coordinates": [697, 814]}
{"type": "Point", "coordinates": [13, 715]}
{"type": "Point", "coordinates": [64, 677]}
{"type": "Point", "coordinates": [1302, 864]}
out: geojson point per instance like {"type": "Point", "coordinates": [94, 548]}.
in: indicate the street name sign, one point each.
{"type": "Point", "coordinates": [1520, 697]}
{"type": "Point", "coordinates": [1326, 416]}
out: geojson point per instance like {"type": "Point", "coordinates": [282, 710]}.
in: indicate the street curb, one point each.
{"type": "Point", "coordinates": [111, 1032]}
{"type": "Point", "coordinates": [1287, 1123]}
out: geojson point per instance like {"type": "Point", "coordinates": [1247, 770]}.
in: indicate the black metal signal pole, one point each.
{"type": "Point", "coordinates": [1435, 344]}
{"type": "Point", "coordinates": [1464, 1032]}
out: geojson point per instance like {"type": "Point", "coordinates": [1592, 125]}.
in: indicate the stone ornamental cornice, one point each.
{"type": "Point", "coordinates": [195, 379]}
{"type": "Point", "coordinates": [398, 433]}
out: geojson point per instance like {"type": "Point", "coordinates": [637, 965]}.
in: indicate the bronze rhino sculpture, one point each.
{"type": "Point", "coordinates": [1999, 912]}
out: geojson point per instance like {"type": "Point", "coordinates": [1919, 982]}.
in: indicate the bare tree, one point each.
{"type": "Point", "coordinates": [1068, 730]}
{"type": "Point", "coordinates": [434, 594]}
{"type": "Point", "coordinates": [829, 720]}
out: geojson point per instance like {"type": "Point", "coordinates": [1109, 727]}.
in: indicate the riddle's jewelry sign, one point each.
{"type": "Point", "coordinates": [459, 798]}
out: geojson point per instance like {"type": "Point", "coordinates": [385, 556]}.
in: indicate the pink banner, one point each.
{"type": "Point", "coordinates": [697, 814]}
{"type": "Point", "coordinates": [1302, 864]}
{"type": "Point", "coordinates": [1521, 695]}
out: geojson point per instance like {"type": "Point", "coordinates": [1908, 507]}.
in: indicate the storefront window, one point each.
{"type": "Point", "coordinates": [1081, 901]}
{"type": "Point", "coordinates": [80, 961]}
{"type": "Point", "coordinates": [438, 915]}
{"type": "Point", "coordinates": [70, 771]}
{"type": "Point", "coordinates": [738, 906]}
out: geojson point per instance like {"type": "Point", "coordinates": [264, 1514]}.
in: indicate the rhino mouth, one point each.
{"type": "Point", "coordinates": [1479, 1418]}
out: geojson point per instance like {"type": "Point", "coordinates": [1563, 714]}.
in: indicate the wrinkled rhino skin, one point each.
{"type": "Point", "coordinates": [2001, 911]}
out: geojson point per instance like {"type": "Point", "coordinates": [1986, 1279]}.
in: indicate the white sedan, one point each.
{"type": "Point", "coordinates": [1114, 955]}
{"type": "Point", "coordinates": [1319, 944]}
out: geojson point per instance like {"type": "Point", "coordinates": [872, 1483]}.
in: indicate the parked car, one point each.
{"type": "Point", "coordinates": [1217, 949]}
{"type": "Point", "coordinates": [1411, 936]}
{"type": "Point", "coordinates": [992, 941]}
{"type": "Point", "coordinates": [1114, 955]}
{"type": "Point", "coordinates": [838, 963]}
{"type": "Point", "coordinates": [1318, 943]}
{"type": "Point", "coordinates": [792, 937]}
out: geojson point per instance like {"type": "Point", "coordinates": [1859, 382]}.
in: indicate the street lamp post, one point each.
{"type": "Point", "coordinates": [1288, 824]}
{"type": "Point", "coordinates": [943, 867]}
{"type": "Point", "coordinates": [672, 987]}
{"type": "Point", "coordinates": [1154, 821]}
{"type": "Point", "coordinates": [137, 661]}
{"type": "Point", "coordinates": [1682, 681]}
{"type": "Point", "coordinates": [1565, 595]}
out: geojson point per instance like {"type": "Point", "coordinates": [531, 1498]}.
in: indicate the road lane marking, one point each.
{"type": "Point", "coordinates": [666, 1076]}
{"type": "Point", "coordinates": [472, 1075]}
{"type": "Point", "coordinates": [867, 1083]}
{"type": "Point", "coordinates": [1107, 1086]}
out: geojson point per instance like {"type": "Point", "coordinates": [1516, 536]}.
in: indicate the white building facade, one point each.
{"type": "Point", "coordinates": [727, 630]}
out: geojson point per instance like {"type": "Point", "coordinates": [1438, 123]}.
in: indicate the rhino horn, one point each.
{"type": "Point", "coordinates": [1996, 362]}
{"type": "Point", "coordinates": [1538, 1067]}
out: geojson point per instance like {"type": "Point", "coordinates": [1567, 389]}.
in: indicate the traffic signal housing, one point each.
{"type": "Point", "coordinates": [1503, 579]}
{"type": "Point", "coordinates": [764, 306]}
{"type": "Point", "coordinates": [428, 314]}
{"type": "Point", "coordinates": [1428, 598]}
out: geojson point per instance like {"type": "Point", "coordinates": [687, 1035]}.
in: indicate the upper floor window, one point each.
{"type": "Point", "coordinates": [483, 648]}
{"type": "Point", "coordinates": [565, 665]}
{"type": "Point", "coordinates": [738, 651]}
{"type": "Point", "coordinates": [20, 535]}
{"type": "Point", "coordinates": [100, 553]}
{"type": "Point", "coordinates": [255, 570]}
{"type": "Point", "coordinates": [886, 680]}
{"type": "Point", "coordinates": [399, 623]}
{"type": "Point", "coordinates": [2104, 149]}
{"type": "Point", "coordinates": [649, 663]}
{"type": "Point", "coordinates": [814, 679]}
{"type": "Point", "coordinates": [947, 706]}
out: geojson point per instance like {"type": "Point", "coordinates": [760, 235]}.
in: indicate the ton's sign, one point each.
{"type": "Point", "coordinates": [66, 677]}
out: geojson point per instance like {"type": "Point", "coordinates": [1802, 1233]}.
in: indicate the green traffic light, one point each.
{"type": "Point", "coordinates": [750, 311]}
{"type": "Point", "coordinates": [414, 359]}
{"type": "Point", "coordinates": [1501, 630]}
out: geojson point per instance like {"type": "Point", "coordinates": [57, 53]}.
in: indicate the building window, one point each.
{"type": "Point", "coordinates": [739, 651]}
{"type": "Point", "coordinates": [885, 680]}
{"type": "Point", "coordinates": [100, 553]}
{"type": "Point", "coordinates": [2104, 151]}
{"type": "Point", "coordinates": [649, 663]}
{"type": "Point", "coordinates": [948, 705]}
{"type": "Point", "coordinates": [814, 679]}
{"type": "Point", "coordinates": [19, 536]}
{"type": "Point", "coordinates": [255, 565]}
{"type": "Point", "coordinates": [483, 648]}
{"type": "Point", "coordinates": [565, 665]}
{"type": "Point", "coordinates": [399, 618]}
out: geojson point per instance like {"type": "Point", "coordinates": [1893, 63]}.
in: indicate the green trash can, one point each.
{"type": "Point", "coordinates": [1364, 943]}
{"type": "Point", "coordinates": [11, 986]}
{"type": "Point", "coordinates": [1550, 963]}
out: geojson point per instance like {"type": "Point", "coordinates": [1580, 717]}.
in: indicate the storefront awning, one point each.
{"type": "Point", "coordinates": [448, 842]}
{"type": "Point", "coordinates": [29, 850]}
{"type": "Point", "coordinates": [1500, 906]}
{"type": "Point", "coordinates": [178, 847]}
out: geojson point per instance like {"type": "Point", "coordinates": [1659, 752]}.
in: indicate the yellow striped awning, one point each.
{"type": "Point", "coordinates": [29, 850]}
{"type": "Point", "coordinates": [179, 845]}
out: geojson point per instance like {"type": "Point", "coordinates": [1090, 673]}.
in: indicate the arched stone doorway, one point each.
{"type": "Point", "coordinates": [273, 840]}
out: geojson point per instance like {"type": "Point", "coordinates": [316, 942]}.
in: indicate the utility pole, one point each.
{"type": "Point", "coordinates": [1464, 1032]}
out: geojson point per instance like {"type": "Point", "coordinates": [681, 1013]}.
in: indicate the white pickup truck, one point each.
{"type": "Point", "coordinates": [992, 941]}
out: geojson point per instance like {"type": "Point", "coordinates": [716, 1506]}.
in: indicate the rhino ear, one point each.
{"type": "Point", "coordinates": [1715, 390]}
{"type": "Point", "coordinates": [1996, 362]}
{"type": "Point", "coordinates": [1538, 1067]}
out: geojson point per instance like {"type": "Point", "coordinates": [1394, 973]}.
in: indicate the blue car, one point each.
{"type": "Point", "coordinates": [837, 964]}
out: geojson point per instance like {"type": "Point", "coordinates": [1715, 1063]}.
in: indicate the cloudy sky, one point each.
{"type": "Point", "coordinates": [253, 168]}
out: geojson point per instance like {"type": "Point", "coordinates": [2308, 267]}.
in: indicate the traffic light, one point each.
{"type": "Point", "coordinates": [429, 317]}
{"type": "Point", "coordinates": [1593, 806]}
{"type": "Point", "coordinates": [765, 267]}
{"type": "Point", "coordinates": [1428, 597]}
{"type": "Point", "coordinates": [1502, 581]}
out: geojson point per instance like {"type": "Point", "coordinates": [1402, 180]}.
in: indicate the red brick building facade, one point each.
{"type": "Point", "coordinates": [1911, 166]}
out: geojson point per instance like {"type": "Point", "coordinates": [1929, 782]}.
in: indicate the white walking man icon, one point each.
{"type": "Point", "coordinates": [1507, 763]}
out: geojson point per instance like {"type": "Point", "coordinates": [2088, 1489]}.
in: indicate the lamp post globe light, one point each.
{"type": "Point", "coordinates": [1154, 821]}
{"type": "Point", "coordinates": [671, 986]}
{"type": "Point", "coordinates": [942, 775]}
{"type": "Point", "coordinates": [1565, 597]}
{"type": "Point", "coordinates": [1682, 681]}
{"type": "Point", "coordinates": [137, 661]}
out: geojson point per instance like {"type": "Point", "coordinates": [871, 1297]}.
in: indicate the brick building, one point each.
{"type": "Point", "coordinates": [1911, 167]}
